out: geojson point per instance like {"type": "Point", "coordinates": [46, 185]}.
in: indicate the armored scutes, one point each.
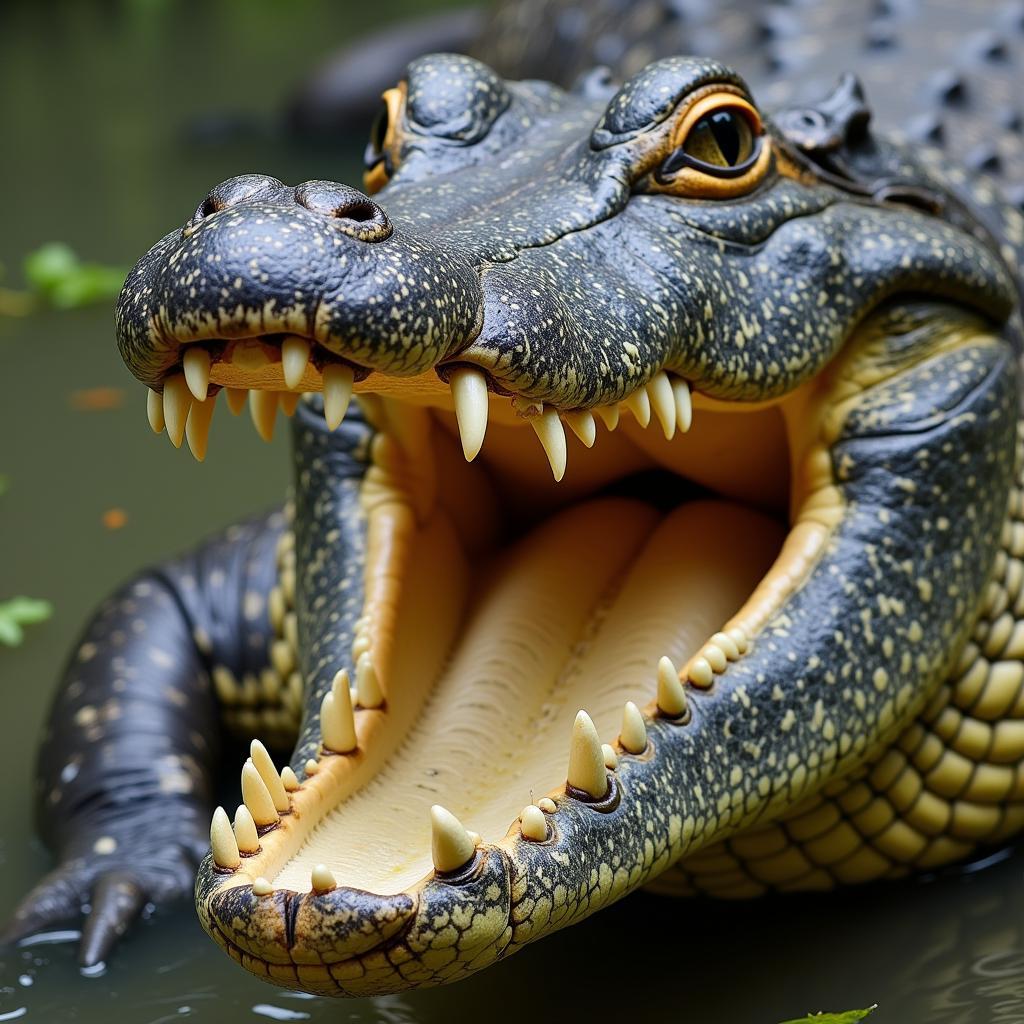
{"type": "Point", "coordinates": [759, 629]}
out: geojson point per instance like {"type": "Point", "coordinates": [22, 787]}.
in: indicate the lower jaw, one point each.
{"type": "Point", "coordinates": [489, 648]}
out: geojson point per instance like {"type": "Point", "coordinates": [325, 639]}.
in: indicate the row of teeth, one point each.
{"type": "Point", "coordinates": [266, 794]}
{"type": "Point", "coordinates": [185, 409]}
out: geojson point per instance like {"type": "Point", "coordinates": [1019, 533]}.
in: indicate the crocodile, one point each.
{"type": "Point", "coordinates": [658, 514]}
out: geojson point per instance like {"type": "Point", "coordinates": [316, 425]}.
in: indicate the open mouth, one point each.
{"type": "Point", "coordinates": [611, 569]}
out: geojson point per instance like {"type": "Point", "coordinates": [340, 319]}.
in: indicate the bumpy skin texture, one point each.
{"type": "Point", "coordinates": [508, 197]}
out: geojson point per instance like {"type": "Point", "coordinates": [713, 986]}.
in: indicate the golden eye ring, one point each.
{"type": "Point", "coordinates": [717, 150]}
{"type": "Point", "coordinates": [381, 156]}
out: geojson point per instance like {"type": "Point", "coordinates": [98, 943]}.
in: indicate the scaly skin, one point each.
{"type": "Point", "coordinates": [532, 237]}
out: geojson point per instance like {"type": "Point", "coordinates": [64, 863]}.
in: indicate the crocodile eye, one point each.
{"type": "Point", "coordinates": [719, 150]}
{"type": "Point", "coordinates": [721, 139]}
{"type": "Point", "coordinates": [380, 157]}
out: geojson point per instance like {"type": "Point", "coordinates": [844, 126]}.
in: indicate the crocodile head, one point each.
{"type": "Point", "coordinates": [680, 282]}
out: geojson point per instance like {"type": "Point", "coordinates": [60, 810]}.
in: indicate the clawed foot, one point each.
{"type": "Point", "coordinates": [108, 892]}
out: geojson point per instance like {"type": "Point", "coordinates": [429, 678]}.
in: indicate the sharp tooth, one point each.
{"type": "Point", "coordinates": [294, 357]}
{"type": "Point", "coordinates": [634, 730]}
{"type": "Point", "coordinates": [360, 646]}
{"type": "Point", "coordinates": [289, 779]}
{"type": "Point", "coordinates": [532, 824]}
{"type": "Point", "coordinates": [257, 797]}
{"type": "Point", "coordinates": [671, 693]}
{"type": "Point", "coordinates": [337, 393]}
{"type": "Point", "coordinates": [282, 657]}
{"type": "Point", "coordinates": [289, 401]}
{"type": "Point", "coordinates": [611, 759]}
{"type": "Point", "coordinates": [547, 805]}
{"type": "Point", "coordinates": [311, 766]}
{"type": "Point", "coordinates": [236, 398]}
{"type": "Point", "coordinates": [337, 722]}
{"type": "Point", "coordinates": [276, 609]}
{"type": "Point", "coordinates": [245, 830]}
{"type": "Point", "coordinates": [322, 879]}
{"type": "Point", "coordinates": [290, 625]}
{"type": "Point", "coordinates": [261, 887]}
{"type": "Point", "coordinates": [469, 393]}
{"type": "Point", "coordinates": [727, 645]}
{"type": "Point", "coordinates": [684, 404]}
{"type": "Point", "coordinates": [367, 684]}
{"type": "Point", "coordinates": [155, 410]}
{"type": "Point", "coordinates": [609, 415]}
{"type": "Point", "coordinates": [586, 759]}
{"type": "Point", "coordinates": [177, 400]}
{"type": "Point", "coordinates": [222, 840]}
{"type": "Point", "coordinates": [263, 406]}
{"type": "Point", "coordinates": [197, 426]}
{"type": "Point", "coordinates": [196, 364]}
{"type": "Point", "coordinates": [582, 424]}
{"type": "Point", "coordinates": [451, 845]}
{"type": "Point", "coordinates": [663, 402]}
{"type": "Point", "coordinates": [548, 428]}
{"type": "Point", "coordinates": [639, 405]}
{"type": "Point", "coordinates": [268, 773]}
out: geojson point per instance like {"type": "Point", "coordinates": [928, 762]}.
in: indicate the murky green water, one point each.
{"type": "Point", "coordinates": [95, 101]}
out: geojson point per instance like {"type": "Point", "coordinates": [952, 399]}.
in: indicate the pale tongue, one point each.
{"type": "Point", "coordinates": [575, 615]}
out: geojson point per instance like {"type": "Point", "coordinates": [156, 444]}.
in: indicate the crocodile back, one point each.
{"type": "Point", "coordinates": [949, 73]}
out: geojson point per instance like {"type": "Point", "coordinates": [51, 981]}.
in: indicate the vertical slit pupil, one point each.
{"type": "Point", "coordinates": [727, 134]}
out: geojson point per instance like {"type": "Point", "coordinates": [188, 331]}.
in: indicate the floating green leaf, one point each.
{"type": "Point", "coordinates": [62, 280]}
{"type": "Point", "coordinates": [18, 612]}
{"type": "Point", "coordinates": [850, 1017]}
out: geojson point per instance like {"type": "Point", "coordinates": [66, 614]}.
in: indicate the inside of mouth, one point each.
{"type": "Point", "coordinates": [510, 601]}
{"type": "Point", "coordinates": [522, 601]}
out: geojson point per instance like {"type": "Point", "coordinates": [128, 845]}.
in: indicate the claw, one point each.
{"type": "Point", "coordinates": [116, 902]}
{"type": "Point", "coordinates": [54, 900]}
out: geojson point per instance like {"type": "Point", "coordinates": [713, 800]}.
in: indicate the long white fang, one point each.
{"type": "Point", "coordinates": [155, 410]}
{"type": "Point", "coordinates": [322, 879]}
{"type": "Point", "coordinates": [257, 797]}
{"type": "Point", "coordinates": [639, 405]}
{"type": "Point", "coordinates": [337, 393]}
{"type": "Point", "coordinates": [609, 415]}
{"type": "Point", "coordinates": [196, 364]}
{"type": "Point", "coordinates": [177, 400]}
{"type": "Point", "coordinates": [684, 403]}
{"type": "Point", "coordinates": [587, 770]}
{"type": "Point", "coordinates": [289, 780]}
{"type": "Point", "coordinates": [197, 426]}
{"type": "Point", "coordinates": [368, 689]}
{"type": "Point", "coordinates": [633, 736]}
{"type": "Point", "coordinates": [532, 824]}
{"type": "Point", "coordinates": [245, 830]}
{"type": "Point", "coordinates": [222, 841]}
{"type": "Point", "coordinates": [548, 428]}
{"type": "Point", "coordinates": [294, 359]}
{"type": "Point", "coordinates": [469, 393]}
{"type": "Point", "coordinates": [659, 391]}
{"type": "Point", "coordinates": [268, 773]}
{"type": "Point", "coordinates": [263, 407]}
{"type": "Point", "coordinates": [337, 722]}
{"type": "Point", "coordinates": [582, 424]}
{"type": "Point", "coordinates": [236, 398]}
{"type": "Point", "coordinates": [671, 694]}
{"type": "Point", "coordinates": [450, 844]}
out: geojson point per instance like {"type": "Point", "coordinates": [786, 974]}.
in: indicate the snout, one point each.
{"type": "Point", "coordinates": [321, 260]}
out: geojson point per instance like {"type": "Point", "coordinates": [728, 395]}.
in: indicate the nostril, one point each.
{"type": "Point", "coordinates": [233, 191]}
{"type": "Point", "coordinates": [354, 213]}
{"type": "Point", "coordinates": [211, 204]}
{"type": "Point", "coordinates": [360, 210]}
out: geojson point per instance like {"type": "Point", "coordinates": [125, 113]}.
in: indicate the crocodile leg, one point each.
{"type": "Point", "coordinates": [125, 770]}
